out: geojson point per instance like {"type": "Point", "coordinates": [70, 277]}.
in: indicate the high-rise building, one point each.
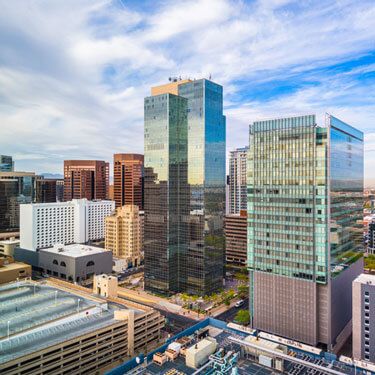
{"type": "Point", "coordinates": [128, 179]}
{"type": "Point", "coordinates": [86, 179]}
{"type": "Point", "coordinates": [78, 221]}
{"type": "Point", "coordinates": [199, 266]}
{"type": "Point", "coordinates": [364, 318]}
{"type": "Point", "coordinates": [235, 229]}
{"type": "Point", "coordinates": [16, 188]}
{"type": "Point", "coordinates": [6, 163]}
{"type": "Point", "coordinates": [206, 179]}
{"type": "Point", "coordinates": [305, 197]}
{"type": "Point", "coordinates": [237, 180]}
{"type": "Point", "coordinates": [47, 190]}
{"type": "Point", "coordinates": [166, 194]}
{"type": "Point", "coordinates": [123, 234]}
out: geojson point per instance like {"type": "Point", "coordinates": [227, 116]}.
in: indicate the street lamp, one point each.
{"type": "Point", "coordinates": [8, 329]}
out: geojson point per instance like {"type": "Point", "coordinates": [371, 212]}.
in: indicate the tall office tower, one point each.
{"type": "Point", "coordinates": [16, 188]}
{"type": "Point", "coordinates": [166, 193]}
{"type": "Point", "coordinates": [364, 318]}
{"type": "Point", "coordinates": [78, 221]}
{"type": "Point", "coordinates": [47, 190]}
{"type": "Point", "coordinates": [235, 230]}
{"type": "Point", "coordinates": [128, 179]}
{"type": "Point", "coordinates": [237, 180]}
{"type": "Point", "coordinates": [59, 190]}
{"type": "Point", "coordinates": [86, 179]}
{"type": "Point", "coordinates": [305, 196]}
{"type": "Point", "coordinates": [123, 234]}
{"type": "Point", "coordinates": [6, 163]}
{"type": "Point", "coordinates": [202, 269]}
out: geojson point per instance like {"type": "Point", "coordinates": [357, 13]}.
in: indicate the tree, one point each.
{"type": "Point", "coordinates": [242, 317]}
{"type": "Point", "coordinates": [243, 291]}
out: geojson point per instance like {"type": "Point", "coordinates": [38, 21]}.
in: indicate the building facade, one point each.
{"type": "Point", "coordinates": [6, 163]}
{"type": "Point", "coordinates": [206, 179]}
{"type": "Point", "coordinates": [76, 262]}
{"type": "Point", "coordinates": [235, 230]}
{"type": "Point", "coordinates": [123, 234]}
{"type": "Point", "coordinates": [305, 197]}
{"type": "Point", "coordinates": [78, 221]}
{"type": "Point", "coordinates": [237, 180]}
{"type": "Point", "coordinates": [86, 179]}
{"type": "Point", "coordinates": [364, 318]}
{"type": "Point", "coordinates": [16, 188]}
{"type": "Point", "coordinates": [185, 181]}
{"type": "Point", "coordinates": [371, 237]}
{"type": "Point", "coordinates": [128, 179]}
{"type": "Point", "coordinates": [166, 194]}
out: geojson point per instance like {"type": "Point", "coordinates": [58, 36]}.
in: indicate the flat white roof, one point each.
{"type": "Point", "coordinates": [9, 242]}
{"type": "Point", "coordinates": [365, 278]}
{"type": "Point", "coordinates": [74, 250]}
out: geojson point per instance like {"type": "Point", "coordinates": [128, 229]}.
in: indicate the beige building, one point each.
{"type": "Point", "coordinates": [7, 246]}
{"type": "Point", "coordinates": [123, 234]}
{"type": "Point", "coordinates": [12, 271]}
{"type": "Point", "coordinates": [82, 333]}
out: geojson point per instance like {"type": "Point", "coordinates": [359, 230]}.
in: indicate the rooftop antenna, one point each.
{"type": "Point", "coordinates": [210, 77]}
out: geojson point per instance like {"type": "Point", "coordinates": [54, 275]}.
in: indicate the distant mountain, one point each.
{"type": "Point", "coordinates": [52, 175]}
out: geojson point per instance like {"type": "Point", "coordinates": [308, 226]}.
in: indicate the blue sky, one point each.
{"type": "Point", "coordinates": [73, 73]}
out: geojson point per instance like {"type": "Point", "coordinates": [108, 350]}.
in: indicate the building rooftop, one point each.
{"type": "Point", "coordinates": [10, 242]}
{"type": "Point", "coordinates": [74, 250]}
{"type": "Point", "coordinates": [365, 278]}
{"type": "Point", "coordinates": [35, 315]}
{"type": "Point", "coordinates": [13, 266]}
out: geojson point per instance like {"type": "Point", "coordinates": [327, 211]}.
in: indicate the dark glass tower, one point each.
{"type": "Point", "coordinates": [206, 178]}
{"type": "Point", "coordinates": [166, 193]}
{"type": "Point", "coordinates": [184, 187]}
{"type": "Point", "coordinates": [305, 196]}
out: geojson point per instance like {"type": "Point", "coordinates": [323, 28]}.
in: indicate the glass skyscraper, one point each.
{"type": "Point", "coordinates": [6, 163]}
{"type": "Point", "coordinates": [195, 263]}
{"type": "Point", "coordinates": [305, 195]}
{"type": "Point", "coordinates": [166, 194]}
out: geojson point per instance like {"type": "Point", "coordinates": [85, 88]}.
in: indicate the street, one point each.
{"type": "Point", "coordinates": [229, 315]}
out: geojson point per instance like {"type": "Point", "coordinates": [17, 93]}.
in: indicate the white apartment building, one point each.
{"type": "Point", "coordinates": [43, 225]}
{"type": "Point", "coordinates": [237, 200]}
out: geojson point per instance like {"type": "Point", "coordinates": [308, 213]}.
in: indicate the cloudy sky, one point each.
{"type": "Point", "coordinates": [73, 73]}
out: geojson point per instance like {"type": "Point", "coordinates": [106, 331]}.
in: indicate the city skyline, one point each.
{"type": "Point", "coordinates": [82, 98]}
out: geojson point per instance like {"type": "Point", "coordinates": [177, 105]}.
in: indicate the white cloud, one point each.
{"type": "Point", "coordinates": [73, 74]}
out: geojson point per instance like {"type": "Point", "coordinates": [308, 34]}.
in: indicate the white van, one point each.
{"type": "Point", "coordinates": [239, 303]}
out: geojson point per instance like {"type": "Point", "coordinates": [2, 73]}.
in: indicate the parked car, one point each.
{"type": "Point", "coordinates": [239, 303]}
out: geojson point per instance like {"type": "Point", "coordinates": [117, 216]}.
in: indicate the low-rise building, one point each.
{"type": "Point", "coordinates": [235, 229]}
{"type": "Point", "coordinates": [12, 271]}
{"type": "Point", "coordinates": [75, 262]}
{"type": "Point", "coordinates": [364, 318]}
{"type": "Point", "coordinates": [7, 246]}
{"type": "Point", "coordinates": [59, 328]}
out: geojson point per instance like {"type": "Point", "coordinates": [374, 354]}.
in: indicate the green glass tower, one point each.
{"type": "Point", "coordinates": [305, 195]}
{"type": "Point", "coordinates": [166, 192]}
{"type": "Point", "coordinates": [184, 187]}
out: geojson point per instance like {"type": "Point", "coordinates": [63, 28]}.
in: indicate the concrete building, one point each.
{"type": "Point", "coordinates": [123, 234]}
{"type": "Point", "coordinates": [184, 187]}
{"type": "Point", "coordinates": [78, 221]}
{"type": "Point", "coordinates": [305, 234]}
{"type": "Point", "coordinates": [16, 188]}
{"type": "Point", "coordinates": [235, 229]}
{"type": "Point", "coordinates": [12, 271]}
{"type": "Point", "coordinates": [86, 179]}
{"type": "Point", "coordinates": [364, 318]}
{"type": "Point", "coordinates": [60, 328]}
{"type": "Point", "coordinates": [237, 180]}
{"type": "Point", "coordinates": [7, 246]}
{"type": "Point", "coordinates": [128, 179]}
{"type": "Point", "coordinates": [76, 262]}
{"type": "Point", "coordinates": [6, 163]}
